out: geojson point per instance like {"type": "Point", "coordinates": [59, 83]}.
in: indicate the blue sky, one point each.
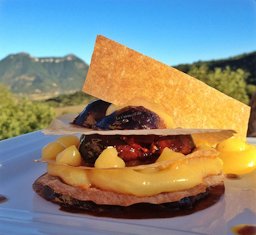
{"type": "Point", "coordinates": [172, 31]}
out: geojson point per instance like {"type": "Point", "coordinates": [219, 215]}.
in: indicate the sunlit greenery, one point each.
{"type": "Point", "coordinates": [19, 116]}
{"type": "Point", "coordinates": [63, 100]}
{"type": "Point", "coordinates": [230, 82]}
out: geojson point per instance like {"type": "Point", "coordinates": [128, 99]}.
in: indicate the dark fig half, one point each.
{"type": "Point", "coordinates": [131, 118]}
{"type": "Point", "coordinates": [92, 113]}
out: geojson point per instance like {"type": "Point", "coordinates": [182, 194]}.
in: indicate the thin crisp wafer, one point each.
{"type": "Point", "coordinates": [118, 74]}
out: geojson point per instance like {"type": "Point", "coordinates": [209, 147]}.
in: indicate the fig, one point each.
{"type": "Point", "coordinates": [129, 148]}
{"type": "Point", "coordinates": [131, 118]}
{"type": "Point", "coordinates": [182, 143]}
{"type": "Point", "coordinates": [133, 149]}
{"type": "Point", "coordinates": [91, 146]}
{"type": "Point", "coordinates": [91, 114]}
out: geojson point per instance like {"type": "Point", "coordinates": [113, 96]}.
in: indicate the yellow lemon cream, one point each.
{"type": "Point", "coordinates": [238, 157]}
{"type": "Point", "coordinates": [173, 172]}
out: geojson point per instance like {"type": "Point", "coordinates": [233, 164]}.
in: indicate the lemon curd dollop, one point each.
{"type": "Point", "coordinates": [238, 156]}
{"type": "Point", "coordinates": [173, 172]}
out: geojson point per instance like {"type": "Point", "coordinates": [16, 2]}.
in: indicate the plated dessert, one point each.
{"type": "Point", "coordinates": [150, 142]}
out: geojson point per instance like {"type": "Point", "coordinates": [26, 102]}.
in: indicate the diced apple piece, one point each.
{"type": "Point", "coordinates": [69, 156]}
{"type": "Point", "coordinates": [109, 159]}
{"type": "Point", "coordinates": [68, 140]}
{"type": "Point", "coordinates": [169, 154]}
{"type": "Point", "coordinates": [51, 150]}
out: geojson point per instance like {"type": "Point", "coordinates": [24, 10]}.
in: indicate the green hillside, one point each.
{"type": "Point", "coordinates": [25, 74]}
{"type": "Point", "coordinates": [54, 76]}
{"type": "Point", "coordinates": [75, 98]}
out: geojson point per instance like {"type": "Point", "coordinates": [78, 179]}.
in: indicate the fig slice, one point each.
{"type": "Point", "coordinates": [131, 118]}
{"type": "Point", "coordinates": [91, 114]}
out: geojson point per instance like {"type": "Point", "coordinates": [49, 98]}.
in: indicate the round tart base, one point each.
{"type": "Point", "coordinates": [97, 202]}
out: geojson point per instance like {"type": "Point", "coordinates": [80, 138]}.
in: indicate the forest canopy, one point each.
{"type": "Point", "coordinates": [230, 82]}
{"type": "Point", "coordinates": [19, 115]}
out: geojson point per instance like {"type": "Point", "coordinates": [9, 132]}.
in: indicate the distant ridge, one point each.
{"type": "Point", "coordinates": [25, 74]}
{"type": "Point", "coordinates": [245, 61]}
{"type": "Point", "coordinates": [50, 76]}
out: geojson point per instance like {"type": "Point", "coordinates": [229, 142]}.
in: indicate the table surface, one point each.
{"type": "Point", "coordinates": [24, 212]}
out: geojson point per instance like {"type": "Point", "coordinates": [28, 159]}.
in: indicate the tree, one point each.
{"type": "Point", "coordinates": [19, 116]}
{"type": "Point", "coordinates": [200, 72]}
{"type": "Point", "coordinates": [230, 82]}
{"type": "Point", "coordinates": [251, 89]}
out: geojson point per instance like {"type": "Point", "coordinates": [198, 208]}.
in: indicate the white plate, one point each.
{"type": "Point", "coordinates": [26, 213]}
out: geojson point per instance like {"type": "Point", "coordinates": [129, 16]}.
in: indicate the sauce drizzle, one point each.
{"type": "Point", "coordinates": [244, 229]}
{"type": "Point", "coordinates": [3, 198]}
{"type": "Point", "coordinates": [233, 176]}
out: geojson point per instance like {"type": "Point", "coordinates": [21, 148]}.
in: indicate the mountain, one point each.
{"type": "Point", "coordinates": [50, 76]}
{"type": "Point", "coordinates": [25, 74]}
{"type": "Point", "coordinates": [246, 61]}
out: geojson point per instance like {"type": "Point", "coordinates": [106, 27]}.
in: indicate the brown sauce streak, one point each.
{"type": "Point", "coordinates": [3, 198]}
{"type": "Point", "coordinates": [147, 211]}
{"type": "Point", "coordinates": [233, 176]}
{"type": "Point", "coordinates": [245, 230]}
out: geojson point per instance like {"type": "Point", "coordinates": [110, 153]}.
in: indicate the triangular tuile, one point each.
{"type": "Point", "coordinates": [118, 74]}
